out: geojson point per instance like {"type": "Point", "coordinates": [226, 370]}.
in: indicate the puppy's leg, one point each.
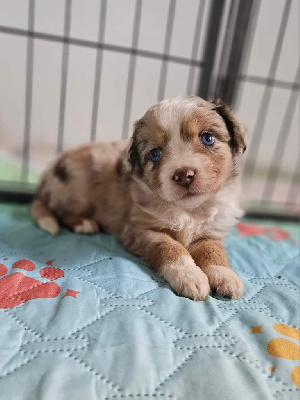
{"type": "Point", "coordinates": [171, 260]}
{"type": "Point", "coordinates": [211, 257]}
{"type": "Point", "coordinates": [80, 224]}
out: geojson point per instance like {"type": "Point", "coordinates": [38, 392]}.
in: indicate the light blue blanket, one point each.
{"type": "Point", "coordinates": [81, 318]}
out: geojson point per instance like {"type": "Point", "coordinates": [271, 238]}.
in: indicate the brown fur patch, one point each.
{"type": "Point", "coordinates": [218, 157]}
{"type": "Point", "coordinates": [209, 252]}
{"type": "Point", "coordinates": [157, 248]}
{"type": "Point", "coordinates": [147, 135]}
{"type": "Point", "coordinates": [60, 170]}
{"type": "Point", "coordinates": [119, 167]}
{"type": "Point", "coordinates": [167, 251]}
{"type": "Point", "coordinates": [134, 158]}
{"type": "Point", "coordinates": [199, 122]}
{"type": "Point", "coordinates": [211, 257]}
{"type": "Point", "coordinates": [234, 127]}
{"type": "Point", "coordinates": [151, 132]}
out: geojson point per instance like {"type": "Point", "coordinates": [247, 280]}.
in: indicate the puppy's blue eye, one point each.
{"type": "Point", "coordinates": [155, 155]}
{"type": "Point", "coordinates": [207, 139]}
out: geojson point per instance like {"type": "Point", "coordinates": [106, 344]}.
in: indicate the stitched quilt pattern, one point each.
{"type": "Point", "coordinates": [81, 318]}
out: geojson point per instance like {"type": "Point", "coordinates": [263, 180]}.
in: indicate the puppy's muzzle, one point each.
{"type": "Point", "coordinates": [184, 177]}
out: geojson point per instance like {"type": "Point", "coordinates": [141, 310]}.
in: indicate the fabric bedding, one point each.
{"type": "Point", "coordinates": [81, 318]}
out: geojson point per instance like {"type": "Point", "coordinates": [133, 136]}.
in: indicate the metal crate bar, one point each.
{"type": "Point", "coordinates": [131, 69]}
{"type": "Point", "coordinates": [98, 69]}
{"type": "Point", "coordinates": [212, 37]}
{"type": "Point", "coordinates": [282, 139]}
{"type": "Point", "coordinates": [233, 58]}
{"type": "Point", "coordinates": [266, 98]}
{"type": "Point", "coordinates": [167, 47]}
{"type": "Point", "coordinates": [97, 45]}
{"type": "Point", "coordinates": [294, 188]}
{"type": "Point", "coordinates": [270, 82]}
{"type": "Point", "coordinates": [64, 76]}
{"type": "Point", "coordinates": [28, 94]}
{"type": "Point", "coordinates": [220, 71]}
{"type": "Point", "coordinates": [195, 46]}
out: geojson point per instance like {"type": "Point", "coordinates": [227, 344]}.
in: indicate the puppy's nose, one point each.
{"type": "Point", "coordinates": [184, 176]}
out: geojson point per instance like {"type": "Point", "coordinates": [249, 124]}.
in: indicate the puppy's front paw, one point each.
{"type": "Point", "coordinates": [224, 281]}
{"type": "Point", "coordinates": [186, 278]}
{"type": "Point", "coordinates": [87, 226]}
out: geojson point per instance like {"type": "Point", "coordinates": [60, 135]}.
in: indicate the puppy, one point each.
{"type": "Point", "coordinates": [170, 194]}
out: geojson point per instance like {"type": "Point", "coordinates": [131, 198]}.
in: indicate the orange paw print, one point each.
{"type": "Point", "coordinates": [285, 348]}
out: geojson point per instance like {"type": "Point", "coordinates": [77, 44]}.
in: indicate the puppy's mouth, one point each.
{"type": "Point", "coordinates": [194, 192]}
{"type": "Point", "coordinates": [188, 193]}
{"type": "Point", "coordinates": [191, 199]}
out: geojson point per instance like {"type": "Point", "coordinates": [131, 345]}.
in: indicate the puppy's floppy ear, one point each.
{"type": "Point", "coordinates": [133, 152]}
{"type": "Point", "coordinates": [235, 128]}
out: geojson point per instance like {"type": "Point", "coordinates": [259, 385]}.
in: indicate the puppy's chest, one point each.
{"type": "Point", "coordinates": [186, 228]}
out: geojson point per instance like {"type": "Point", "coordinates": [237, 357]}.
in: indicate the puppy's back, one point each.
{"type": "Point", "coordinates": [67, 187]}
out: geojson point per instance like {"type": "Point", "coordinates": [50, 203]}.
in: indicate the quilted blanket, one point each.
{"type": "Point", "coordinates": [81, 318]}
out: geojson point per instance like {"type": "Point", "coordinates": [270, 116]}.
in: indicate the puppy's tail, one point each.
{"type": "Point", "coordinates": [44, 218]}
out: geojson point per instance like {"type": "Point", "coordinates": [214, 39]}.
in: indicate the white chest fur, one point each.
{"type": "Point", "coordinates": [213, 218]}
{"type": "Point", "coordinates": [191, 225]}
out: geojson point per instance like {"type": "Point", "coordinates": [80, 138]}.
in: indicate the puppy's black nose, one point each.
{"type": "Point", "coordinates": [184, 176]}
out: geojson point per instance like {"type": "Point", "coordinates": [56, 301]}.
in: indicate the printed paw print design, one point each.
{"type": "Point", "coordinates": [18, 288]}
{"type": "Point", "coordinates": [285, 348]}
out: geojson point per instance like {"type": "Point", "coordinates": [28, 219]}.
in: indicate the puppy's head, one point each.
{"type": "Point", "coordinates": [184, 149]}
